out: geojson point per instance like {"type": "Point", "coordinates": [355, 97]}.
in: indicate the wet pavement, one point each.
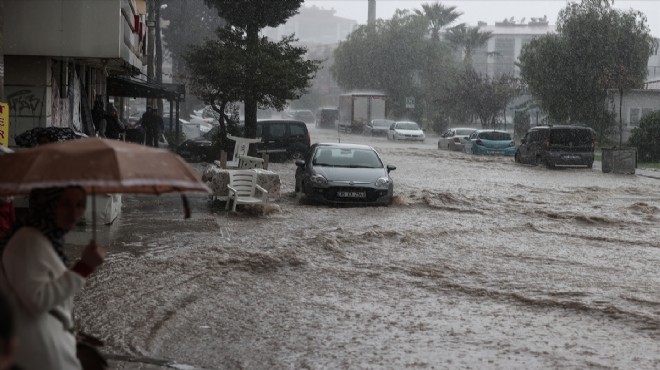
{"type": "Point", "coordinates": [479, 263]}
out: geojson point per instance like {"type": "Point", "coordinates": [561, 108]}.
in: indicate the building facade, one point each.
{"type": "Point", "coordinates": [59, 54]}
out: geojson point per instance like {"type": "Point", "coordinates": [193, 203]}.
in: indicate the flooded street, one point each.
{"type": "Point", "coordinates": [479, 263]}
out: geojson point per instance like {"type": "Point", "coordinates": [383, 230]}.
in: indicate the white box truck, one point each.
{"type": "Point", "coordinates": [356, 109]}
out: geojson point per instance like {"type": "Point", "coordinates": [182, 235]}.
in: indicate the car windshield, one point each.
{"type": "Point", "coordinates": [495, 136]}
{"type": "Point", "coordinates": [382, 123]}
{"type": "Point", "coordinates": [346, 157]}
{"type": "Point", "coordinates": [407, 126]}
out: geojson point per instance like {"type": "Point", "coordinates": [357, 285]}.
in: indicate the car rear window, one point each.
{"type": "Point", "coordinates": [298, 130]}
{"type": "Point", "coordinates": [464, 132]}
{"type": "Point", "coordinates": [571, 137]}
{"type": "Point", "coordinates": [494, 135]}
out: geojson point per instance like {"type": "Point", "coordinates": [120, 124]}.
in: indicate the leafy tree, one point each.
{"type": "Point", "coordinates": [438, 16]}
{"type": "Point", "coordinates": [596, 48]}
{"type": "Point", "coordinates": [181, 32]}
{"type": "Point", "coordinates": [468, 39]}
{"type": "Point", "coordinates": [220, 73]}
{"type": "Point", "coordinates": [246, 18]}
{"type": "Point", "coordinates": [479, 95]}
{"type": "Point", "coordinates": [394, 56]}
{"type": "Point", "coordinates": [646, 138]}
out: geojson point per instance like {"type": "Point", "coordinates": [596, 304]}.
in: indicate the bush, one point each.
{"type": "Point", "coordinates": [646, 138]}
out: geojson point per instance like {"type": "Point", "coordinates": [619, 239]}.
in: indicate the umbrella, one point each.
{"type": "Point", "coordinates": [99, 166]}
{"type": "Point", "coordinates": [30, 138]}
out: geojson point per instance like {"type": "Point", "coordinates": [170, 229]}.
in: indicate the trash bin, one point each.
{"type": "Point", "coordinates": [619, 160]}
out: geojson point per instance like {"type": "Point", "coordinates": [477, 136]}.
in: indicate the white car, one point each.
{"type": "Point", "coordinates": [455, 138]}
{"type": "Point", "coordinates": [405, 130]}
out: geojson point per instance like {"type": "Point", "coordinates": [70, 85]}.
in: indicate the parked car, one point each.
{"type": "Point", "coordinates": [558, 146]}
{"type": "Point", "coordinates": [492, 142]}
{"type": "Point", "coordinates": [405, 130]}
{"type": "Point", "coordinates": [455, 138]}
{"type": "Point", "coordinates": [377, 127]}
{"type": "Point", "coordinates": [280, 139]}
{"type": "Point", "coordinates": [327, 117]}
{"type": "Point", "coordinates": [304, 115]}
{"type": "Point", "coordinates": [344, 173]}
{"type": "Point", "coordinates": [283, 139]}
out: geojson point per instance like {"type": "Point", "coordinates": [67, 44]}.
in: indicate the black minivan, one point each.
{"type": "Point", "coordinates": [564, 145]}
{"type": "Point", "coordinates": [282, 139]}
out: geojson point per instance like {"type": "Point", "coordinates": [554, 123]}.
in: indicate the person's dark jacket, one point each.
{"type": "Point", "coordinates": [113, 127]}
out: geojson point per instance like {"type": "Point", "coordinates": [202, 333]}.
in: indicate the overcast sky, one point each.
{"type": "Point", "coordinates": [489, 11]}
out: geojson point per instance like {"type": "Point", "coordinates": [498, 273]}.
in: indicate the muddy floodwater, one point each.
{"type": "Point", "coordinates": [480, 263]}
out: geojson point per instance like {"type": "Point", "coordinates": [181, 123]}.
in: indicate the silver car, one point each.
{"type": "Point", "coordinates": [455, 138]}
{"type": "Point", "coordinates": [344, 173]}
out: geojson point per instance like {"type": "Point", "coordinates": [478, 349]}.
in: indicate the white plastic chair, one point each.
{"type": "Point", "coordinates": [247, 162]}
{"type": "Point", "coordinates": [243, 189]}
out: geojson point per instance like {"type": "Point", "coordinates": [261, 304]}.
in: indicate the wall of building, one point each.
{"type": "Point", "coordinates": [72, 28]}
{"type": "Point", "coordinates": [28, 92]}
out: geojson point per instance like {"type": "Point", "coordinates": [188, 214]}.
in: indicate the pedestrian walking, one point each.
{"type": "Point", "coordinates": [153, 125]}
{"type": "Point", "coordinates": [98, 118]}
{"type": "Point", "coordinates": [37, 279]}
{"type": "Point", "coordinates": [113, 127]}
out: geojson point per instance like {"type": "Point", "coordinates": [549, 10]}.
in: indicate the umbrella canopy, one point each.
{"type": "Point", "coordinates": [30, 138]}
{"type": "Point", "coordinates": [99, 166]}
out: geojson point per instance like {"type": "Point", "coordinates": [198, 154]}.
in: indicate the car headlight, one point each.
{"type": "Point", "coordinates": [383, 182]}
{"type": "Point", "coordinates": [318, 180]}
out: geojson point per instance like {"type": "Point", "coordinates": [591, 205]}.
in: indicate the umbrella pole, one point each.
{"type": "Point", "coordinates": [93, 215]}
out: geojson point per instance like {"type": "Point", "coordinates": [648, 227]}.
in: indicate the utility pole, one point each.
{"type": "Point", "coordinates": [159, 53]}
{"type": "Point", "coordinates": [151, 25]}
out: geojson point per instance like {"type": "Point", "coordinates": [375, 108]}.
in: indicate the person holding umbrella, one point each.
{"type": "Point", "coordinates": [38, 280]}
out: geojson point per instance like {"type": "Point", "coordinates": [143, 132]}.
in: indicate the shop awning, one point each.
{"type": "Point", "coordinates": [117, 86]}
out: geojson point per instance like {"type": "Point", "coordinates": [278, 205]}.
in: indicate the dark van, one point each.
{"type": "Point", "coordinates": [283, 139]}
{"type": "Point", "coordinates": [557, 146]}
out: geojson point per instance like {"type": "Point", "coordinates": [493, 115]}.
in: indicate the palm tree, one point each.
{"type": "Point", "coordinates": [469, 39]}
{"type": "Point", "coordinates": [438, 17]}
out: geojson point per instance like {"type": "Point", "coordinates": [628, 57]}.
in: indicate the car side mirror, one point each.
{"type": "Point", "coordinates": [390, 167]}
{"type": "Point", "coordinates": [300, 163]}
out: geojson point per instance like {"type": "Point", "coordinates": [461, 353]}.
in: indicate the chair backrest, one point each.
{"type": "Point", "coordinates": [241, 147]}
{"type": "Point", "coordinates": [247, 162]}
{"type": "Point", "coordinates": [243, 181]}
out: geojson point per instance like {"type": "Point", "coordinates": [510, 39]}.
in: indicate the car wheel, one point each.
{"type": "Point", "coordinates": [590, 165]}
{"type": "Point", "coordinates": [537, 160]}
{"type": "Point", "coordinates": [516, 158]}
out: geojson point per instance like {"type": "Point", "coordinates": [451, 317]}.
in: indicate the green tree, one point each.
{"type": "Point", "coordinates": [181, 33]}
{"type": "Point", "coordinates": [646, 138]}
{"type": "Point", "coordinates": [596, 48]}
{"type": "Point", "coordinates": [394, 56]}
{"type": "Point", "coordinates": [248, 17]}
{"type": "Point", "coordinates": [438, 16]}
{"type": "Point", "coordinates": [219, 74]}
{"type": "Point", "coordinates": [468, 39]}
{"type": "Point", "coordinates": [485, 97]}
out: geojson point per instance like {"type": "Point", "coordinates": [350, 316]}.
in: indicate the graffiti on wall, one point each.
{"type": "Point", "coordinates": [26, 102]}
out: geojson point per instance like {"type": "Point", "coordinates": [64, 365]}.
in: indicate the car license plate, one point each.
{"type": "Point", "coordinates": [352, 194]}
{"type": "Point", "coordinates": [571, 157]}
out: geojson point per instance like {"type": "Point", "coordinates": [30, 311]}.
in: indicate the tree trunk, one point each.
{"type": "Point", "coordinates": [620, 117]}
{"type": "Point", "coordinates": [250, 103]}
